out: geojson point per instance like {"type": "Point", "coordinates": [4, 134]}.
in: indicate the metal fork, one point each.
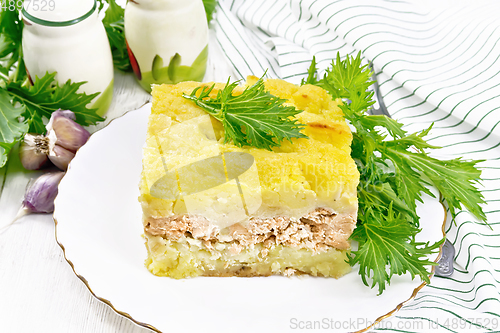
{"type": "Point", "coordinates": [379, 101]}
{"type": "Point", "coordinates": [445, 263]}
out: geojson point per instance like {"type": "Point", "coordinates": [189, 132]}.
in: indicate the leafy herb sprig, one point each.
{"type": "Point", "coordinates": [253, 118]}
{"type": "Point", "coordinates": [395, 169]}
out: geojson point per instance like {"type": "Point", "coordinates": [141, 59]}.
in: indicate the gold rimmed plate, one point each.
{"type": "Point", "coordinates": [99, 227]}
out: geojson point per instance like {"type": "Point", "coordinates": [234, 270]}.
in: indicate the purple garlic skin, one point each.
{"type": "Point", "coordinates": [61, 113]}
{"type": "Point", "coordinates": [40, 195]}
{"type": "Point", "coordinates": [33, 151]}
{"type": "Point", "coordinates": [67, 133]}
{"type": "Point", "coordinates": [60, 157]}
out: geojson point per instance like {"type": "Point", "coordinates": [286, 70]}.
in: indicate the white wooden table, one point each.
{"type": "Point", "coordinates": [39, 291]}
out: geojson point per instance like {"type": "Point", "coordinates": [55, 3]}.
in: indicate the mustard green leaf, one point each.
{"type": "Point", "coordinates": [46, 96]}
{"type": "Point", "coordinates": [253, 118]}
{"type": "Point", "coordinates": [12, 128]}
{"type": "Point", "coordinates": [395, 171]}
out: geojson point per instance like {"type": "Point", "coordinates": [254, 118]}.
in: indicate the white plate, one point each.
{"type": "Point", "coordinates": [99, 227]}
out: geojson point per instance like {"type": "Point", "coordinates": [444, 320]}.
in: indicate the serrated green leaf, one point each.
{"type": "Point", "coordinates": [11, 128]}
{"type": "Point", "coordinates": [210, 8]}
{"type": "Point", "coordinates": [395, 169]}
{"type": "Point", "coordinates": [348, 79]}
{"type": "Point", "coordinates": [312, 74]}
{"type": "Point", "coordinates": [113, 13]}
{"type": "Point", "coordinates": [100, 5]}
{"type": "Point", "coordinates": [253, 118]}
{"type": "Point", "coordinates": [377, 196]}
{"type": "Point", "coordinates": [456, 179]}
{"type": "Point", "coordinates": [370, 122]}
{"type": "Point", "coordinates": [389, 244]}
{"type": "Point", "coordinates": [47, 96]}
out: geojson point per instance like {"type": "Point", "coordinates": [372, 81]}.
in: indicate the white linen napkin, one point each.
{"type": "Point", "coordinates": [436, 61]}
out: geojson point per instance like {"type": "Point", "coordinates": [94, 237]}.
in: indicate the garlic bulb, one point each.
{"type": "Point", "coordinates": [33, 151]}
{"type": "Point", "coordinates": [62, 130]}
{"type": "Point", "coordinates": [60, 157]}
{"type": "Point", "coordinates": [64, 137]}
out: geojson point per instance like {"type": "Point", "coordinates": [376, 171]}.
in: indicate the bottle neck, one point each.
{"type": "Point", "coordinates": [162, 5]}
{"type": "Point", "coordinates": [61, 15]}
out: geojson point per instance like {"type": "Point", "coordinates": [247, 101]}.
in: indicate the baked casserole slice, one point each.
{"type": "Point", "coordinates": [213, 209]}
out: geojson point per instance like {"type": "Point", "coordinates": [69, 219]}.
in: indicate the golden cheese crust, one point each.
{"type": "Point", "coordinates": [293, 178]}
{"type": "Point", "coordinates": [292, 181]}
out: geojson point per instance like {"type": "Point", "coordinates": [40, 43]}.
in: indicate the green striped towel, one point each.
{"type": "Point", "coordinates": [436, 61]}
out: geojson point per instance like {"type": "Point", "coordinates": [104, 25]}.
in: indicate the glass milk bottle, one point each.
{"type": "Point", "coordinates": [67, 37]}
{"type": "Point", "coordinates": [167, 40]}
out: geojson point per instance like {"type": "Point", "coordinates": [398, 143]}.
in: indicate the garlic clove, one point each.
{"type": "Point", "coordinates": [40, 195]}
{"type": "Point", "coordinates": [67, 133]}
{"type": "Point", "coordinates": [60, 113]}
{"type": "Point", "coordinates": [60, 156]}
{"type": "Point", "coordinates": [33, 151]}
